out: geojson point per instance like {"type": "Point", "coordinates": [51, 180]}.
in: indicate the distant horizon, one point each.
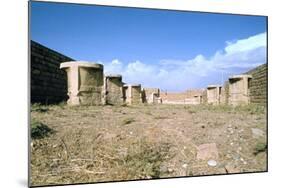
{"type": "Point", "coordinates": [174, 51]}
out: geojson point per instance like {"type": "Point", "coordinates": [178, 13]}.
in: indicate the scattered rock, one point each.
{"type": "Point", "coordinates": [257, 133]}
{"type": "Point", "coordinates": [163, 169]}
{"type": "Point", "coordinates": [221, 171]}
{"type": "Point", "coordinates": [212, 163]}
{"type": "Point", "coordinates": [184, 165]}
{"type": "Point", "coordinates": [207, 151]}
{"type": "Point", "coordinates": [236, 156]}
{"type": "Point", "coordinates": [230, 168]}
{"type": "Point", "coordinates": [170, 170]}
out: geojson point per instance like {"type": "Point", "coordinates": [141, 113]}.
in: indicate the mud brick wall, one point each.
{"type": "Point", "coordinates": [169, 96]}
{"type": "Point", "coordinates": [191, 92]}
{"type": "Point", "coordinates": [48, 81]}
{"type": "Point", "coordinates": [258, 85]}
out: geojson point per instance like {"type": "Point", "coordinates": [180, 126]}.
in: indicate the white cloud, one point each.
{"type": "Point", "coordinates": [250, 43]}
{"type": "Point", "coordinates": [179, 75]}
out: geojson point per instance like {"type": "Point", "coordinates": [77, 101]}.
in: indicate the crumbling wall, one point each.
{"type": "Point", "coordinates": [48, 82]}
{"type": "Point", "coordinates": [136, 95]}
{"type": "Point", "coordinates": [194, 92]}
{"type": "Point", "coordinates": [258, 85]}
{"type": "Point", "coordinates": [213, 94]}
{"type": "Point", "coordinates": [226, 92]}
{"type": "Point", "coordinates": [91, 85]}
{"type": "Point", "coordinates": [172, 96]}
{"type": "Point", "coordinates": [204, 97]}
{"type": "Point", "coordinates": [114, 90]}
{"type": "Point", "coordinates": [133, 94]}
{"type": "Point", "coordinates": [149, 95]}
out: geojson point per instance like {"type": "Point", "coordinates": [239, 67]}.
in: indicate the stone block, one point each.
{"type": "Point", "coordinates": [84, 81]}
{"type": "Point", "coordinates": [133, 94]}
{"type": "Point", "coordinates": [239, 92]}
{"type": "Point", "coordinates": [113, 89]}
{"type": "Point", "coordinates": [214, 94]}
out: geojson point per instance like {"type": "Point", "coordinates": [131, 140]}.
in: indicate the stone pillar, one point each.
{"type": "Point", "coordinates": [213, 94]}
{"type": "Point", "coordinates": [133, 93]}
{"type": "Point", "coordinates": [197, 99]}
{"type": "Point", "coordinates": [239, 89]}
{"type": "Point", "coordinates": [84, 82]}
{"type": "Point", "coordinates": [151, 95]}
{"type": "Point", "coordinates": [114, 89]}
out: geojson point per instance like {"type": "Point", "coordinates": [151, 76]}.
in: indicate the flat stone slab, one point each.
{"type": "Point", "coordinates": [207, 151]}
{"type": "Point", "coordinates": [257, 133]}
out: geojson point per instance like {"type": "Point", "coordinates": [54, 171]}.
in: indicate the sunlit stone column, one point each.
{"type": "Point", "coordinates": [114, 89]}
{"type": "Point", "coordinates": [239, 93]}
{"type": "Point", "coordinates": [84, 82]}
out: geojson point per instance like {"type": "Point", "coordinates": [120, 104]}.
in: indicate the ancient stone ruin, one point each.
{"type": "Point", "coordinates": [239, 89]}
{"type": "Point", "coordinates": [113, 86]}
{"type": "Point", "coordinates": [87, 85]}
{"type": "Point", "coordinates": [151, 95]}
{"type": "Point", "coordinates": [84, 82]}
{"type": "Point", "coordinates": [213, 94]}
{"type": "Point", "coordinates": [133, 94]}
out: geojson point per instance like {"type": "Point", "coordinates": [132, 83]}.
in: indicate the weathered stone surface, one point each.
{"type": "Point", "coordinates": [207, 151]}
{"type": "Point", "coordinates": [212, 163]}
{"type": "Point", "coordinates": [48, 82]}
{"type": "Point", "coordinates": [85, 82]}
{"type": "Point", "coordinates": [151, 95]}
{"type": "Point", "coordinates": [231, 168]}
{"type": "Point", "coordinates": [258, 85]}
{"type": "Point", "coordinates": [132, 93]}
{"type": "Point", "coordinates": [114, 89]}
{"type": "Point", "coordinates": [257, 133]}
{"type": "Point", "coordinates": [213, 94]}
{"type": "Point", "coordinates": [239, 89]}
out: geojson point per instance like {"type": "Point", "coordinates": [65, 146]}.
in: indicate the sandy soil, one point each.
{"type": "Point", "coordinates": [110, 143]}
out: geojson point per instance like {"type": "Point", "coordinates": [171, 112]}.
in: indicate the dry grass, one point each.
{"type": "Point", "coordinates": [109, 143]}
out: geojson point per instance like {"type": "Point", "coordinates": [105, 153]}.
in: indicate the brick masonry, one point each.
{"type": "Point", "coordinates": [258, 85]}
{"type": "Point", "coordinates": [48, 81]}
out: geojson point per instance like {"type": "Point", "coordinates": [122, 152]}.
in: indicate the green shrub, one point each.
{"type": "Point", "coordinates": [37, 107]}
{"type": "Point", "coordinates": [260, 147]}
{"type": "Point", "coordinates": [39, 130]}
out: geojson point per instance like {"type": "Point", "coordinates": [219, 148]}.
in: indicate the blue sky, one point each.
{"type": "Point", "coordinates": [172, 50]}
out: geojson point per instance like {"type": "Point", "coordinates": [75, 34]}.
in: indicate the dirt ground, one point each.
{"type": "Point", "coordinates": [112, 143]}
